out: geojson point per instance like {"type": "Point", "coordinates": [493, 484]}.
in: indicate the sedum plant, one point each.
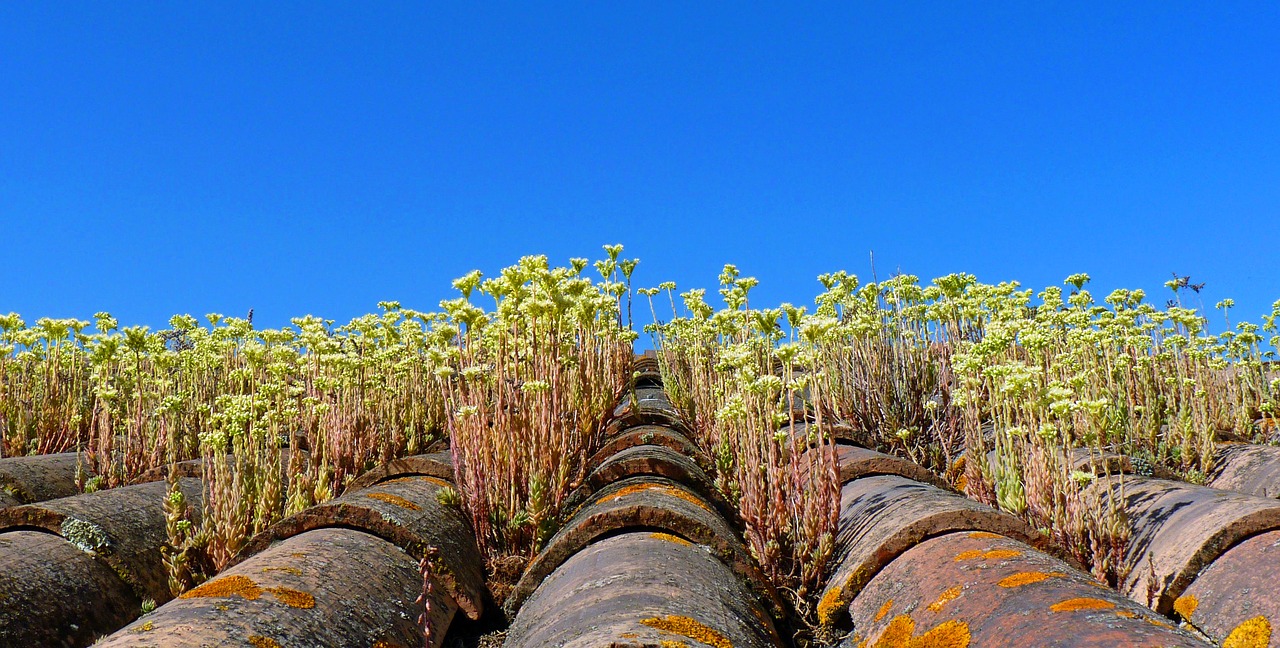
{"type": "Point", "coordinates": [530, 384]}
{"type": "Point", "coordinates": [741, 379]}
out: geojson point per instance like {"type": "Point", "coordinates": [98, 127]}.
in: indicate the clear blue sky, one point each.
{"type": "Point", "coordinates": [160, 158]}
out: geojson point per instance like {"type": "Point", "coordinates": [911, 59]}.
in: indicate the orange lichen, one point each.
{"type": "Point", "coordinates": [1126, 614]}
{"type": "Point", "coordinates": [1252, 633]}
{"type": "Point", "coordinates": [394, 499]}
{"type": "Point", "coordinates": [437, 481]}
{"type": "Point", "coordinates": [1160, 624]}
{"type": "Point", "coordinates": [259, 641]}
{"type": "Point", "coordinates": [985, 535]}
{"type": "Point", "coordinates": [687, 627]}
{"type": "Point", "coordinates": [293, 597]}
{"type": "Point", "coordinates": [1186, 606]}
{"type": "Point", "coordinates": [884, 609]}
{"type": "Point", "coordinates": [663, 488]}
{"type": "Point", "coordinates": [226, 586]}
{"type": "Point", "coordinates": [288, 570]}
{"type": "Point", "coordinates": [674, 644]}
{"type": "Point", "coordinates": [831, 603]}
{"type": "Point", "coordinates": [670, 538]}
{"type": "Point", "coordinates": [946, 597]}
{"type": "Point", "coordinates": [298, 554]}
{"type": "Point", "coordinates": [1000, 554]}
{"type": "Point", "coordinates": [1082, 603]}
{"type": "Point", "coordinates": [949, 634]}
{"type": "Point", "coordinates": [996, 554]}
{"type": "Point", "coordinates": [1027, 578]}
{"type": "Point", "coordinates": [898, 633]}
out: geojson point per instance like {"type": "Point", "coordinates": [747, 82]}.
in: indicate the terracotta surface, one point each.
{"type": "Point", "coordinates": [856, 462]}
{"type": "Point", "coordinates": [642, 589]}
{"type": "Point", "coordinates": [883, 516]}
{"type": "Point", "coordinates": [981, 589]}
{"type": "Point", "coordinates": [122, 527]}
{"type": "Point", "coordinates": [54, 594]}
{"type": "Point", "coordinates": [26, 480]}
{"type": "Point", "coordinates": [1252, 469]}
{"type": "Point", "coordinates": [645, 435]}
{"type": "Point", "coordinates": [330, 587]}
{"type": "Point", "coordinates": [1178, 529]}
{"type": "Point", "coordinates": [436, 464]}
{"type": "Point", "coordinates": [656, 461]}
{"type": "Point", "coordinates": [643, 503]}
{"type": "Point", "coordinates": [1240, 589]}
{"type": "Point", "coordinates": [405, 512]}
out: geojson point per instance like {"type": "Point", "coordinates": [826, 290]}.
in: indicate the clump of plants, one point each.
{"type": "Point", "coordinates": [530, 383]}
{"type": "Point", "coordinates": [741, 378]}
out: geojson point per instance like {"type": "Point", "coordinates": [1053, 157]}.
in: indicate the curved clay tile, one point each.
{"type": "Point", "coordinates": [329, 587]}
{"type": "Point", "coordinates": [650, 503]}
{"type": "Point", "coordinates": [436, 464]}
{"type": "Point", "coordinates": [883, 516]}
{"type": "Point", "coordinates": [26, 480]}
{"type": "Point", "coordinates": [122, 527]}
{"type": "Point", "coordinates": [1252, 469]}
{"type": "Point", "coordinates": [1237, 594]}
{"type": "Point", "coordinates": [406, 512]}
{"type": "Point", "coordinates": [982, 589]}
{"type": "Point", "coordinates": [1178, 529]}
{"type": "Point", "coordinates": [56, 594]}
{"type": "Point", "coordinates": [642, 588]}
{"type": "Point", "coordinates": [856, 462]}
{"type": "Point", "coordinates": [653, 461]}
{"type": "Point", "coordinates": [645, 435]}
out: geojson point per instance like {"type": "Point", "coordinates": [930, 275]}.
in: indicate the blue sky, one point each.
{"type": "Point", "coordinates": [160, 158]}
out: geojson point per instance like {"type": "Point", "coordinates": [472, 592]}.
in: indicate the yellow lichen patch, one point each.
{"type": "Point", "coordinates": [394, 499]}
{"type": "Point", "coordinates": [293, 597]}
{"type": "Point", "coordinates": [662, 488]}
{"type": "Point", "coordinates": [259, 641]}
{"type": "Point", "coordinates": [687, 627]}
{"type": "Point", "coordinates": [898, 633]}
{"type": "Point", "coordinates": [985, 535]}
{"type": "Point", "coordinates": [1253, 633]}
{"type": "Point", "coordinates": [1186, 606]}
{"type": "Point", "coordinates": [830, 604]}
{"type": "Point", "coordinates": [950, 634]}
{"type": "Point", "coordinates": [994, 554]}
{"type": "Point", "coordinates": [1160, 624]}
{"type": "Point", "coordinates": [1126, 614]}
{"type": "Point", "coordinates": [1001, 554]}
{"type": "Point", "coordinates": [298, 554]}
{"type": "Point", "coordinates": [884, 609]}
{"type": "Point", "coordinates": [1027, 578]}
{"type": "Point", "coordinates": [951, 594]}
{"type": "Point", "coordinates": [226, 586]}
{"type": "Point", "coordinates": [437, 481]}
{"type": "Point", "coordinates": [1082, 603]}
{"type": "Point", "coordinates": [674, 644]}
{"type": "Point", "coordinates": [287, 570]}
{"type": "Point", "coordinates": [628, 635]}
{"type": "Point", "coordinates": [670, 538]}
{"type": "Point", "coordinates": [146, 627]}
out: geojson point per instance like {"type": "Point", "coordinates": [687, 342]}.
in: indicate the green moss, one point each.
{"type": "Point", "coordinates": [85, 535]}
